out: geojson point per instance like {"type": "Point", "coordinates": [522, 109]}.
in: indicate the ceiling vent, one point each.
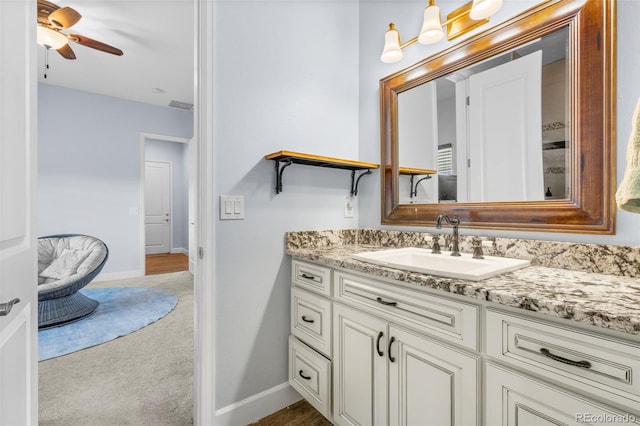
{"type": "Point", "coordinates": [181, 105]}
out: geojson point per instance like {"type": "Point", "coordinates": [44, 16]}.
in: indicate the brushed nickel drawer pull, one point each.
{"type": "Point", "coordinates": [303, 376]}
{"type": "Point", "coordinates": [305, 319]}
{"type": "Point", "coordinates": [581, 364]}
{"type": "Point", "coordinates": [382, 302]}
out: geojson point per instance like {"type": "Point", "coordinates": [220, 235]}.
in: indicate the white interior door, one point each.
{"type": "Point", "coordinates": [157, 207]}
{"type": "Point", "coordinates": [18, 247]}
{"type": "Point", "coordinates": [505, 129]}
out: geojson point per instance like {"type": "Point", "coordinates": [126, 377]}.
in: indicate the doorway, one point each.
{"type": "Point", "coordinates": [167, 196]}
{"type": "Point", "coordinates": [205, 347]}
{"type": "Point", "coordinates": [205, 336]}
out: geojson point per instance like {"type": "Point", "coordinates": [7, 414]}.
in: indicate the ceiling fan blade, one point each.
{"type": "Point", "coordinates": [45, 8]}
{"type": "Point", "coordinates": [64, 17]}
{"type": "Point", "coordinates": [94, 44]}
{"type": "Point", "coordinates": [67, 52]}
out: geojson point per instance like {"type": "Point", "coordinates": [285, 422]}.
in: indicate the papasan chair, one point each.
{"type": "Point", "coordinates": [66, 263]}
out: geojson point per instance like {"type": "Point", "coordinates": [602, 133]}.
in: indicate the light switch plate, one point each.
{"type": "Point", "coordinates": [231, 207]}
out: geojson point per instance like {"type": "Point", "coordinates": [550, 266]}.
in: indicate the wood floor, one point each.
{"type": "Point", "coordinates": [165, 263]}
{"type": "Point", "coordinates": [299, 414]}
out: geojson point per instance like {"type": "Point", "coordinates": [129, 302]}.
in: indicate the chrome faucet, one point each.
{"type": "Point", "coordinates": [455, 251]}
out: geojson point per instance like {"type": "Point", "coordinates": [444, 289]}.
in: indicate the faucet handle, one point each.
{"type": "Point", "coordinates": [435, 246]}
{"type": "Point", "coordinates": [476, 243]}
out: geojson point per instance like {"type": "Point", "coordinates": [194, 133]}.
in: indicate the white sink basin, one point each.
{"type": "Point", "coordinates": [443, 264]}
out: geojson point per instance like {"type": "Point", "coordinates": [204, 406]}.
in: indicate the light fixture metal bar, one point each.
{"type": "Point", "coordinates": [409, 42]}
{"type": "Point", "coordinates": [459, 22]}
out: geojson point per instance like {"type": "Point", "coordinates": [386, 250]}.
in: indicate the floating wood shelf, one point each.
{"type": "Point", "coordinates": [416, 172]}
{"type": "Point", "coordinates": [288, 158]}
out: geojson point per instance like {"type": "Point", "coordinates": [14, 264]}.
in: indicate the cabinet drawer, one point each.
{"type": "Point", "coordinates": [310, 375]}
{"type": "Point", "coordinates": [601, 365]}
{"type": "Point", "coordinates": [514, 399]}
{"type": "Point", "coordinates": [312, 277]}
{"type": "Point", "coordinates": [448, 319]}
{"type": "Point", "coordinates": [311, 319]}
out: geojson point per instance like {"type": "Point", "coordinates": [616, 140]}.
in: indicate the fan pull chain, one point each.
{"type": "Point", "coordinates": [46, 61]}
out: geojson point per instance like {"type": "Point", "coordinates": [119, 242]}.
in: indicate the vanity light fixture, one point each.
{"type": "Point", "coordinates": [459, 22]}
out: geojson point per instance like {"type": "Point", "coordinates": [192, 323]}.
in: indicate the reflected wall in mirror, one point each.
{"type": "Point", "coordinates": [511, 129]}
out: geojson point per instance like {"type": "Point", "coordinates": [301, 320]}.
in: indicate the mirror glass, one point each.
{"type": "Point", "coordinates": [510, 129]}
{"type": "Point", "coordinates": [492, 131]}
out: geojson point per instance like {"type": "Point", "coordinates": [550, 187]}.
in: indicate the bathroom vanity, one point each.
{"type": "Point", "coordinates": [374, 345]}
{"type": "Point", "coordinates": [553, 343]}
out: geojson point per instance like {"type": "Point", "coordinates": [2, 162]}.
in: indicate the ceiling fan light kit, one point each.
{"type": "Point", "coordinates": [52, 19]}
{"type": "Point", "coordinates": [51, 39]}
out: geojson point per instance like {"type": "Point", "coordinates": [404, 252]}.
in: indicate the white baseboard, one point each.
{"type": "Point", "coordinates": [118, 275]}
{"type": "Point", "coordinates": [180, 250]}
{"type": "Point", "coordinates": [257, 406]}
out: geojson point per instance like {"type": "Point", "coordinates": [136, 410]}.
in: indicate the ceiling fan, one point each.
{"type": "Point", "coordinates": [52, 19]}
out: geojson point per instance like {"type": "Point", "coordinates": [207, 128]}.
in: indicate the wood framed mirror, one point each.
{"type": "Point", "coordinates": [584, 203]}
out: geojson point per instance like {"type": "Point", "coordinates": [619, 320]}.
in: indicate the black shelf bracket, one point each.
{"type": "Point", "coordinates": [279, 171]}
{"type": "Point", "coordinates": [414, 188]}
{"type": "Point", "coordinates": [284, 159]}
{"type": "Point", "coordinates": [355, 182]}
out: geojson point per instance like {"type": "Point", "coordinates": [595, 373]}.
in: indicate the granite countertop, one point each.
{"type": "Point", "coordinates": [602, 300]}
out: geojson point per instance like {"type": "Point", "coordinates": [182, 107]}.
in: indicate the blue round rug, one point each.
{"type": "Point", "coordinates": [122, 310]}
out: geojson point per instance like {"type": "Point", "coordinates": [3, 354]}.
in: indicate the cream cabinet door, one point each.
{"type": "Point", "coordinates": [430, 383]}
{"type": "Point", "coordinates": [359, 368]}
{"type": "Point", "coordinates": [517, 400]}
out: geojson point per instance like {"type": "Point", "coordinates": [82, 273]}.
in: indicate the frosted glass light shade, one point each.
{"type": "Point", "coordinates": [392, 51]}
{"type": "Point", "coordinates": [50, 38]}
{"type": "Point", "coordinates": [482, 9]}
{"type": "Point", "coordinates": [431, 31]}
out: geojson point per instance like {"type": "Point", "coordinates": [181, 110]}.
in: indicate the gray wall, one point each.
{"type": "Point", "coordinates": [287, 78]}
{"type": "Point", "coordinates": [89, 167]}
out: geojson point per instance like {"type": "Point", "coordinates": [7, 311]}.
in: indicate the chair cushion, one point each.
{"type": "Point", "coordinates": [66, 264]}
{"type": "Point", "coordinates": [51, 248]}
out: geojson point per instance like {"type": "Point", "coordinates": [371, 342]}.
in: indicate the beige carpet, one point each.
{"type": "Point", "coordinates": [143, 378]}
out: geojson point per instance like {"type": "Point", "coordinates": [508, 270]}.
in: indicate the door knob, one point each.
{"type": "Point", "coordinates": [5, 308]}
